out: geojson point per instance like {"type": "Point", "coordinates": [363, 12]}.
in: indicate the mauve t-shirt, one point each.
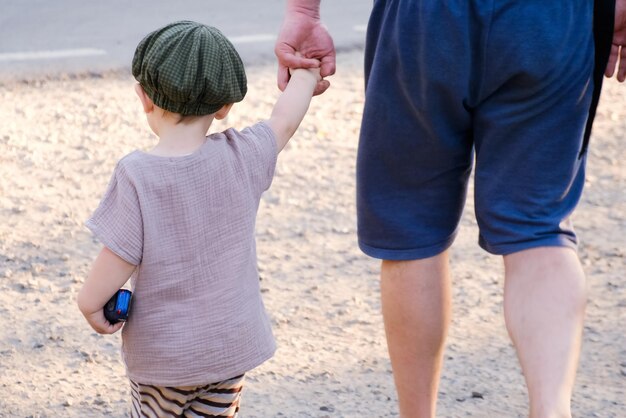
{"type": "Point", "coordinates": [188, 222]}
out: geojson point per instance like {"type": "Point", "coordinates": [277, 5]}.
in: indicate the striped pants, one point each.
{"type": "Point", "coordinates": [213, 400]}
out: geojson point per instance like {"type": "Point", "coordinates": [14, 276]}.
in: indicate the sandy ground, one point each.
{"type": "Point", "coordinates": [59, 142]}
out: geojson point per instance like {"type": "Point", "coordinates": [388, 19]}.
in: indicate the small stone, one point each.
{"type": "Point", "coordinates": [37, 268]}
{"type": "Point", "coordinates": [477, 395]}
{"type": "Point", "coordinates": [8, 352]}
{"type": "Point", "coordinates": [327, 408]}
{"type": "Point", "coordinates": [30, 284]}
{"type": "Point", "coordinates": [343, 311]}
{"type": "Point", "coordinates": [341, 231]}
{"type": "Point", "coordinates": [101, 401]}
{"type": "Point", "coordinates": [67, 403]}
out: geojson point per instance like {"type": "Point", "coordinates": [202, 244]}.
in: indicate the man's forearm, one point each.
{"type": "Point", "coordinates": [310, 8]}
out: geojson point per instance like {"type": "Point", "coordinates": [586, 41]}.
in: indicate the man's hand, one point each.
{"type": "Point", "coordinates": [618, 49]}
{"type": "Point", "coordinates": [303, 32]}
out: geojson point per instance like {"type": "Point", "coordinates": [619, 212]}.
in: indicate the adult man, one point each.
{"type": "Point", "coordinates": [510, 82]}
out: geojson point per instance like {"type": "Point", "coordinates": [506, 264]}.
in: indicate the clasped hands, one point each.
{"type": "Point", "coordinates": [304, 42]}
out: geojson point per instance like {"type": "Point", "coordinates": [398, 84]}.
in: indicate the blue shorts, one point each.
{"type": "Point", "coordinates": [506, 84]}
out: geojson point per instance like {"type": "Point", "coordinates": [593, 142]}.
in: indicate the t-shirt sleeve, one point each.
{"type": "Point", "coordinates": [117, 221]}
{"type": "Point", "coordinates": [258, 147]}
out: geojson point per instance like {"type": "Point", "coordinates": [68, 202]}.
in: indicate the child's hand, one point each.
{"type": "Point", "coordinates": [99, 323]}
{"type": "Point", "coordinates": [315, 72]}
{"type": "Point", "coordinates": [108, 273]}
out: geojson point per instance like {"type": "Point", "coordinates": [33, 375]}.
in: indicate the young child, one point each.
{"type": "Point", "coordinates": [180, 220]}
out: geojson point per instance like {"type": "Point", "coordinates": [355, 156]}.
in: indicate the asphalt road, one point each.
{"type": "Point", "coordinates": [43, 37]}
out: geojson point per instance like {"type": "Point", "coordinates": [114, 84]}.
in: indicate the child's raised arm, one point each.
{"type": "Point", "coordinates": [292, 104]}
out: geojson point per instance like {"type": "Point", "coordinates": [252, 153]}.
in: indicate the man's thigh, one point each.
{"type": "Point", "coordinates": [415, 148]}
{"type": "Point", "coordinates": [529, 126]}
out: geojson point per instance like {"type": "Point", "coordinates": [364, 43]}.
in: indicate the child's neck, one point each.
{"type": "Point", "coordinates": [181, 139]}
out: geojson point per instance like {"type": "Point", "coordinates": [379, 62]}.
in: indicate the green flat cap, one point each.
{"type": "Point", "coordinates": [190, 69]}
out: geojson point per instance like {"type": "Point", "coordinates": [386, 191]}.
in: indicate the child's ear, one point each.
{"type": "Point", "coordinates": [146, 102]}
{"type": "Point", "coordinates": [223, 112]}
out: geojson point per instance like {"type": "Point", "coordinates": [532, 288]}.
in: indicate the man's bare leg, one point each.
{"type": "Point", "coordinates": [544, 304]}
{"type": "Point", "coordinates": [416, 311]}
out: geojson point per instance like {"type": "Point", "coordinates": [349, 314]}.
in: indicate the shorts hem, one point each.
{"type": "Point", "coordinates": [506, 249]}
{"type": "Point", "coordinates": [406, 254]}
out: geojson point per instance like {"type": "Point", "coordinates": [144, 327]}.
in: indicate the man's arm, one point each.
{"type": "Point", "coordinates": [303, 32]}
{"type": "Point", "coordinates": [292, 105]}
{"type": "Point", "coordinates": [617, 59]}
